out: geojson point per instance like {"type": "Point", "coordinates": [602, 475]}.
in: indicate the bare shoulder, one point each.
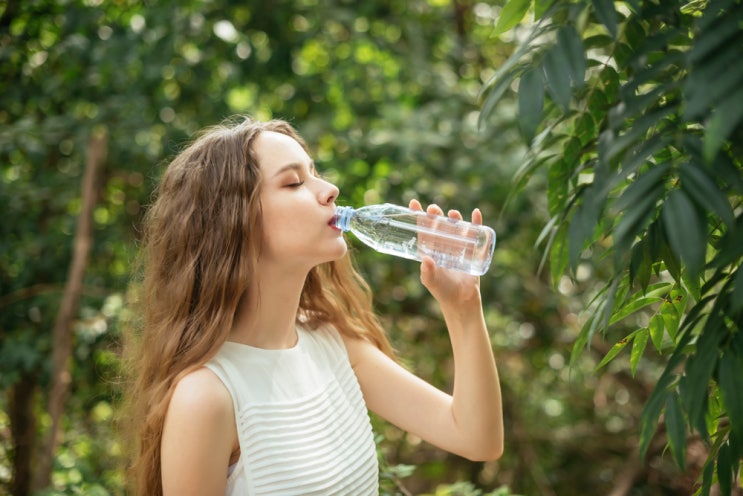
{"type": "Point", "coordinates": [202, 394]}
{"type": "Point", "coordinates": [358, 349]}
{"type": "Point", "coordinates": [199, 435]}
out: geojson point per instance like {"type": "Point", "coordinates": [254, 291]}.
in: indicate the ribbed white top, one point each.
{"type": "Point", "coordinates": [302, 422]}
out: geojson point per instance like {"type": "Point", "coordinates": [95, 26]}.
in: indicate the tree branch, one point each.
{"type": "Point", "coordinates": [62, 332]}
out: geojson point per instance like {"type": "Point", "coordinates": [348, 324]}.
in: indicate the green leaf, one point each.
{"type": "Point", "coordinates": [657, 330]}
{"type": "Point", "coordinates": [571, 46]}
{"type": "Point", "coordinates": [730, 381]}
{"type": "Point", "coordinates": [709, 41]}
{"type": "Point", "coordinates": [634, 32]}
{"type": "Point", "coordinates": [597, 106]}
{"type": "Point", "coordinates": [531, 103]}
{"type": "Point", "coordinates": [707, 85]}
{"type": "Point", "coordinates": [638, 349]}
{"type": "Point", "coordinates": [642, 187]}
{"type": "Point", "coordinates": [607, 15]}
{"type": "Point", "coordinates": [580, 229]}
{"type": "Point", "coordinates": [585, 128]}
{"type": "Point", "coordinates": [639, 155]}
{"type": "Point", "coordinates": [676, 429]}
{"type": "Point", "coordinates": [639, 300]}
{"type": "Point", "coordinates": [654, 405]}
{"type": "Point", "coordinates": [641, 263]}
{"type": "Point", "coordinates": [496, 92]}
{"type": "Point", "coordinates": [633, 220]}
{"type": "Point", "coordinates": [610, 82]}
{"type": "Point", "coordinates": [726, 116]}
{"type": "Point", "coordinates": [652, 410]}
{"type": "Point", "coordinates": [725, 470]}
{"type": "Point", "coordinates": [736, 298]}
{"type": "Point", "coordinates": [614, 351]}
{"type": "Point", "coordinates": [707, 473]}
{"type": "Point", "coordinates": [638, 203]}
{"type": "Point", "coordinates": [556, 71]}
{"type": "Point", "coordinates": [598, 41]}
{"type": "Point", "coordinates": [653, 73]}
{"type": "Point", "coordinates": [541, 7]}
{"type": "Point", "coordinates": [670, 259]}
{"type": "Point", "coordinates": [686, 232]}
{"type": "Point", "coordinates": [670, 318]}
{"type": "Point", "coordinates": [558, 256]}
{"type": "Point", "coordinates": [698, 373]}
{"type": "Point", "coordinates": [511, 14]}
{"type": "Point", "coordinates": [702, 189]}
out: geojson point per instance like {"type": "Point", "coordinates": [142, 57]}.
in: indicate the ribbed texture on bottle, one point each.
{"type": "Point", "coordinates": [311, 444]}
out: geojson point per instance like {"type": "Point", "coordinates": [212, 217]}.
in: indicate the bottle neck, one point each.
{"type": "Point", "coordinates": [343, 217]}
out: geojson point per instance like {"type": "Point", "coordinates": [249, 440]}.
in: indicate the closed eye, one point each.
{"type": "Point", "coordinates": [295, 185]}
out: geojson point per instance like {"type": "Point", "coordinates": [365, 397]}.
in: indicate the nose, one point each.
{"type": "Point", "coordinates": [328, 193]}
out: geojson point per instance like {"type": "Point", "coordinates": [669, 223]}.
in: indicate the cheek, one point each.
{"type": "Point", "coordinates": [280, 228]}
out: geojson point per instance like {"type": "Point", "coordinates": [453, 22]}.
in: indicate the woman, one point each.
{"type": "Point", "coordinates": [260, 352]}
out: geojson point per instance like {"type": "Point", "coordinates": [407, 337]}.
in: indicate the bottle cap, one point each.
{"type": "Point", "coordinates": [343, 218]}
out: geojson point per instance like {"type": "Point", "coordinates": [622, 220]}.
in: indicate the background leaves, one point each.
{"type": "Point", "coordinates": [658, 168]}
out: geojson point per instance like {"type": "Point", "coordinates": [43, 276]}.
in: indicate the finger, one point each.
{"type": "Point", "coordinates": [434, 209]}
{"type": "Point", "coordinates": [428, 271]}
{"type": "Point", "coordinates": [415, 205]}
{"type": "Point", "coordinates": [476, 216]}
{"type": "Point", "coordinates": [455, 215]}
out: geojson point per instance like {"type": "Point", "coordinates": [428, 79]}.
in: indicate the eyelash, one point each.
{"type": "Point", "coordinates": [295, 185]}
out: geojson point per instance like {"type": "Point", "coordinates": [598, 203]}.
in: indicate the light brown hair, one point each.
{"type": "Point", "coordinates": [201, 240]}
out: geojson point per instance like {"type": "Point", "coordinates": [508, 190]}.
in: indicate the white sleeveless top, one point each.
{"type": "Point", "coordinates": [302, 423]}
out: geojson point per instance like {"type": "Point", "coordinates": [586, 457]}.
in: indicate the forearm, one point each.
{"type": "Point", "coordinates": [476, 404]}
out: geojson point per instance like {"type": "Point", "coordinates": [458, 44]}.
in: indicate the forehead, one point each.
{"type": "Point", "coordinates": [275, 150]}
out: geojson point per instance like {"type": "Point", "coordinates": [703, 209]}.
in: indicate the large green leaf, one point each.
{"type": "Point", "coordinates": [696, 182]}
{"type": "Point", "coordinates": [725, 470]}
{"type": "Point", "coordinates": [580, 230]}
{"type": "Point", "coordinates": [698, 373]}
{"type": "Point", "coordinates": [556, 66]}
{"type": "Point", "coordinates": [571, 46]}
{"type": "Point", "coordinates": [730, 378]}
{"type": "Point", "coordinates": [511, 14]}
{"type": "Point", "coordinates": [657, 330]}
{"type": "Point", "coordinates": [736, 297]}
{"type": "Point", "coordinates": [676, 429]}
{"type": "Point", "coordinates": [607, 15]}
{"type": "Point", "coordinates": [726, 117]}
{"type": "Point", "coordinates": [531, 103]}
{"type": "Point", "coordinates": [654, 405]}
{"type": "Point", "coordinates": [708, 84]}
{"type": "Point", "coordinates": [685, 229]}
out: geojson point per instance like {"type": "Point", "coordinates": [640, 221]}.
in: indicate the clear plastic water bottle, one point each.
{"type": "Point", "coordinates": [412, 234]}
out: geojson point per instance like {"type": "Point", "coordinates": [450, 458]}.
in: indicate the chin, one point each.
{"type": "Point", "coordinates": [339, 253]}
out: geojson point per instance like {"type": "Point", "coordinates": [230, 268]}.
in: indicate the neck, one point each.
{"type": "Point", "coordinates": [266, 315]}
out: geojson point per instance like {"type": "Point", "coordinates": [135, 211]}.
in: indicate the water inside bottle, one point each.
{"type": "Point", "coordinates": [449, 243]}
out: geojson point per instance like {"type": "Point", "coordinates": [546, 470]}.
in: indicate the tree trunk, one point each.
{"type": "Point", "coordinates": [23, 432]}
{"type": "Point", "coordinates": [62, 332]}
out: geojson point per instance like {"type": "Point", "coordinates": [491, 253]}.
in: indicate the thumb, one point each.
{"type": "Point", "coordinates": [428, 272]}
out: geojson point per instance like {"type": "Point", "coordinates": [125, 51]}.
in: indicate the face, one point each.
{"type": "Point", "coordinates": [298, 207]}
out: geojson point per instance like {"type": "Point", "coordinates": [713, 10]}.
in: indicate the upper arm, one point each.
{"type": "Point", "coordinates": [402, 398]}
{"type": "Point", "coordinates": [198, 436]}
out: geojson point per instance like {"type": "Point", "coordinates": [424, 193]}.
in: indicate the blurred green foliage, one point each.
{"type": "Point", "coordinates": [636, 113]}
{"type": "Point", "coordinates": [387, 95]}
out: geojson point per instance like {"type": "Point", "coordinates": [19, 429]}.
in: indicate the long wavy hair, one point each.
{"type": "Point", "coordinates": [201, 242]}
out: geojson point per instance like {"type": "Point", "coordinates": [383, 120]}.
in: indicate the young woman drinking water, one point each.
{"type": "Point", "coordinates": [260, 354]}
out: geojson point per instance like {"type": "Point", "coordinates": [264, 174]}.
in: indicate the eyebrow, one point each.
{"type": "Point", "coordinates": [295, 166]}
